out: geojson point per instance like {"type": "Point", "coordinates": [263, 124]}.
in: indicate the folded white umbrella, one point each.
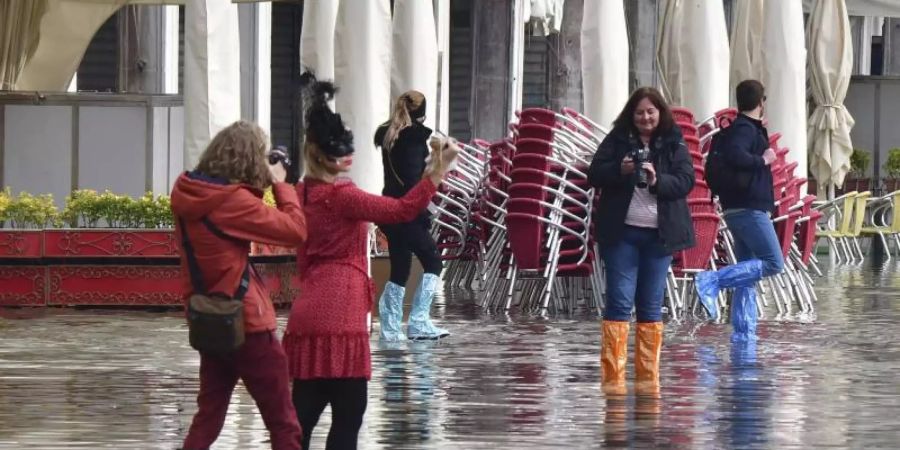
{"type": "Point", "coordinates": [784, 54]}
{"type": "Point", "coordinates": [693, 55]}
{"type": "Point", "coordinates": [830, 46]}
{"type": "Point", "coordinates": [604, 60]}
{"type": "Point", "coordinates": [746, 42]}
{"type": "Point", "coordinates": [414, 59]}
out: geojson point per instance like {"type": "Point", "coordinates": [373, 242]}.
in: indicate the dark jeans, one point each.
{"type": "Point", "coordinates": [262, 365]}
{"type": "Point", "coordinates": [754, 237]}
{"type": "Point", "coordinates": [348, 398]}
{"type": "Point", "coordinates": [636, 269]}
{"type": "Point", "coordinates": [410, 238]}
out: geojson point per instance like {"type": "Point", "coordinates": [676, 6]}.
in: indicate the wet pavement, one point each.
{"type": "Point", "coordinates": [127, 380]}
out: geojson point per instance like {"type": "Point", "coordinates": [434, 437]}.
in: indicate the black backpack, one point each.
{"type": "Point", "coordinates": [720, 175]}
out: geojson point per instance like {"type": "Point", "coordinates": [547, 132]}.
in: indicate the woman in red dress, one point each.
{"type": "Point", "coordinates": [327, 337]}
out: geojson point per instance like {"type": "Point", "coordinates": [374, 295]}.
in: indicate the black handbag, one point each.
{"type": "Point", "coordinates": [215, 319]}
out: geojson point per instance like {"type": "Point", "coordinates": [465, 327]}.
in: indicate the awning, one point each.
{"type": "Point", "coordinates": [20, 24]}
{"type": "Point", "coordinates": [66, 29]}
{"type": "Point", "coordinates": [884, 8]}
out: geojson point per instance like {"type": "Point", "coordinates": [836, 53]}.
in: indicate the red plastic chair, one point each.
{"type": "Point", "coordinates": [785, 228]}
{"type": "Point", "coordinates": [683, 114]}
{"type": "Point", "coordinates": [535, 131]}
{"type": "Point", "coordinates": [688, 129]}
{"type": "Point", "coordinates": [701, 206]}
{"type": "Point", "coordinates": [538, 115]}
{"type": "Point", "coordinates": [773, 140]}
{"type": "Point", "coordinates": [696, 258]}
{"type": "Point", "coordinates": [699, 172]}
{"type": "Point", "coordinates": [700, 190]}
{"type": "Point", "coordinates": [807, 231]}
{"type": "Point", "coordinates": [693, 143]}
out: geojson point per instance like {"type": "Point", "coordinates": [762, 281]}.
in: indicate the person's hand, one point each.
{"type": "Point", "coordinates": [443, 153]}
{"type": "Point", "coordinates": [277, 172]}
{"type": "Point", "coordinates": [627, 167]}
{"type": "Point", "coordinates": [651, 173]}
{"type": "Point", "coordinates": [769, 156]}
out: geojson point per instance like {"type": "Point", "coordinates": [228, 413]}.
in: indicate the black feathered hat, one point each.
{"type": "Point", "coordinates": [324, 127]}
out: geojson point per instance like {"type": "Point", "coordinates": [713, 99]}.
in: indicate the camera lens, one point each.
{"type": "Point", "coordinates": [279, 154]}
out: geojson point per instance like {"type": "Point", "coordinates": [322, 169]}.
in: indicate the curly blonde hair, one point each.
{"type": "Point", "coordinates": [238, 154]}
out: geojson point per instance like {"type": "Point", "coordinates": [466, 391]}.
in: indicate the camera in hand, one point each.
{"type": "Point", "coordinates": [279, 154]}
{"type": "Point", "coordinates": [640, 156]}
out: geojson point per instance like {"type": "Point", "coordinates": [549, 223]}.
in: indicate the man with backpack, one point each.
{"type": "Point", "coordinates": [738, 168]}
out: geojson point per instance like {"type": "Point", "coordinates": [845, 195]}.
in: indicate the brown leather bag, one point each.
{"type": "Point", "coordinates": [215, 319]}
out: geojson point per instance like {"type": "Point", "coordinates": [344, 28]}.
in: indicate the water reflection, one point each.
{"type": "Point", "coordinates": [408, 391]}
{"type": "Point", "coordinates": [127, 380]}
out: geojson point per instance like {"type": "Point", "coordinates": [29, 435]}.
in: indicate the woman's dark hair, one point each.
{"type": "Point", "coordinates": [749, 94]}
{"type": "Point", "coordinates": [626, 117]}
{"type": "Point", "coordinates": [324, 127]}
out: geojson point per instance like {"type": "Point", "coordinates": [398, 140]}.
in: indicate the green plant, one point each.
{"type": "Point", "coordinates": [859, 162]}
{"type": "Point", "coordinates": [89, 209]}
{"type": "Point", "coordinates": [82, 209]}
{"type": "Point", "coordinates": [28, 211]}
{"type": "Point", "coordinates": [892, 165]}
{"type": "Point", "coordinates": [154, 212]}
{"type": "Point", "coordinates": [5, 200]}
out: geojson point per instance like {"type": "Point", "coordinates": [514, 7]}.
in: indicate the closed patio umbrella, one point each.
{"type": "Point", "coordinates": [414, 59]}
{"type": "Point", "coordinates": [746, 41]}
{"type": "Point", "coordinates": [693, 55]}
{"type": "Point", "coordinates": [362, 69]}
{"type": "Point", "coordinates": [830, 49]}
{"type": "Point", "coordinates": [604, 60]}
{"type": "Point", "coordinates": [784, 56]}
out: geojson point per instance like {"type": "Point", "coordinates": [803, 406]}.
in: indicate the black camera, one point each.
{"type": "Point", "coordinates": [279, 154]}
{"type": "Point", "coordinates": [640, 156]}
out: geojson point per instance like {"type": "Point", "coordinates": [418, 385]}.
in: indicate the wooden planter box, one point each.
{"type": "Point", "coordinates": [891, 185]}
{"type": "Point", "coordinates": [854, 184]}
{"type": "Point", "coordinates": [111, 267]}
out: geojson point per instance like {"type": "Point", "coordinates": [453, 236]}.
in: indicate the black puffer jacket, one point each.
{"type": "Point", "coordinates": [404, 167]}
{"type": "Point", "coordinates": [675, 179]}
{"type": "Point", "coordinates": [743, 148]}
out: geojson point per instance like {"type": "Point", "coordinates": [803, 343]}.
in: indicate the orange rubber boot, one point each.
{"type": "Point", "coordinates": [613, 355]}
{"type": "Point", "coordinates": [647, 346]}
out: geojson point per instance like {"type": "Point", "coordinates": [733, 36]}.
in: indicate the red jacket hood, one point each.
{"type": "Point", "coordinates": [196, 195]}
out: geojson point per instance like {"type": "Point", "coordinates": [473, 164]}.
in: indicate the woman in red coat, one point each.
{"type": "Point", "coordinates": [327, 337]}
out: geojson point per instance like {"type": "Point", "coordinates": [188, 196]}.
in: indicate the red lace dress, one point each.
{"type": "Point", "coordinates": [327, 335]}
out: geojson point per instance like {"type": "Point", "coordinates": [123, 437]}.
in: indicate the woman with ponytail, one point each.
{"type": "Point", "coordinates": [404, 148]}
{"type": "Point", "coordinates": [327, 337]}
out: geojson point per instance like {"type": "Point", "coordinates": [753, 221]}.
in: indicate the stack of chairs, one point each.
{"type": "Point", "coordinates": [540, 205]}
{"type": "Point", "coordinates": [842, 224]}
{"type": "Point", "coordinates": [883, 221]}
{"type": "Point", "coordinates": [452, 207]}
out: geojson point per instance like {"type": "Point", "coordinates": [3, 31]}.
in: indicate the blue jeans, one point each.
{"type": "Point", "coordinates": [636, 269]}
{"type": "Point", "coordinates": [754, 237]}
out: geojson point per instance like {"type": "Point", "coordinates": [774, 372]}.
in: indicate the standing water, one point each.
{"type": "Point", "coordinates": [128, 380]}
